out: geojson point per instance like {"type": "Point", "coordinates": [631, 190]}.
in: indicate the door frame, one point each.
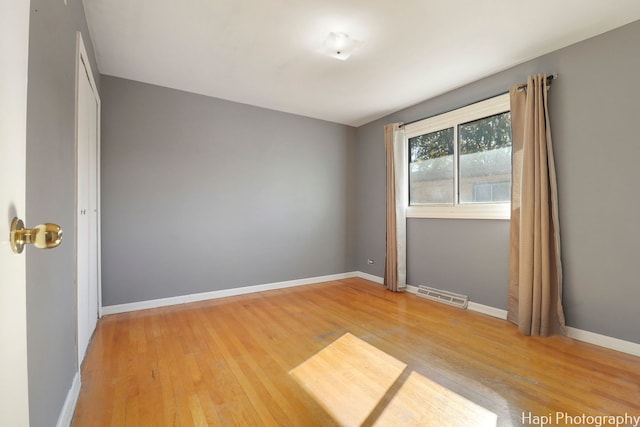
{"type": "Point", "coordinates": [82, 64]}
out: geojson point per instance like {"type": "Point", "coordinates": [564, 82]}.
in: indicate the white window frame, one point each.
{"type": "Point", "coordinates": [490, 107]}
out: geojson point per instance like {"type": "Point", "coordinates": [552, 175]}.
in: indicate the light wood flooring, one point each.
{"type": "Point", "coordinates": [227, 362]}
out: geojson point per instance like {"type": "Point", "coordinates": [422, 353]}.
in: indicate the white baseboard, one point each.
{"type": "Point", "coordinates": [69, 407]}
{"type": "Point", "coordinates": [412, 289]}
{"type": "Point", "coordinates": [574, 333]}
{"type": "Point", "coordinates": [370, 277]}
{"type": "Point", "coordinates": [604, 341]}
{"type": "Point", "coordinates": [488, 310]}
{"type": "Point", "coordinates": [183, 299]}
{"type": "Point", "coordinates": [577, 334]}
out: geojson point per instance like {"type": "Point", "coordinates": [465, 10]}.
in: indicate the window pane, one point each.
{"type": "Point", "coordinates": [431, 168]}
{"type": "Point", "coordinates": [485, 160]}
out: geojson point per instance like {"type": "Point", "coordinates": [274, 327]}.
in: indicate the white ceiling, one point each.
{"type": "Point", "coordinates": [265, 52]}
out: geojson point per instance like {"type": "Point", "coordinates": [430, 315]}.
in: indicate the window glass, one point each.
{"type": "Point", "coordinates": [431, 168]}
{"type": "Point", "coordinates": [485, 160]}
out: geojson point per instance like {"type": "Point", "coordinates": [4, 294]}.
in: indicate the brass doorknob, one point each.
{"type": "Point", "coordinates": [43, 236]}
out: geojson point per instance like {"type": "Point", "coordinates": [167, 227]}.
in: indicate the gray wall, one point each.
{"type": "Point", "coordinates": [51, 295]}
{"type": "Point", "coordinates": [201, 194]}
{"type": "Point", "coordinates": [594, 115]}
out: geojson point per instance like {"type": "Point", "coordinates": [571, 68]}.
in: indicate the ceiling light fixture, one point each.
{"type": "Point", "coordinates": [339, 46]}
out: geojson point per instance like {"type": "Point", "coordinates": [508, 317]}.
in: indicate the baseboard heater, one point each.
{"type": "Point", "coordinates": [456, 300]}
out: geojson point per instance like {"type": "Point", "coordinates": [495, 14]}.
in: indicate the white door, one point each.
{"type": "Point", "coordinates": [87, 223]}
{"type": "Point", "coordinates": [14, 48]}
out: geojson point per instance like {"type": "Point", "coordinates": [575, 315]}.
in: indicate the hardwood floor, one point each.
{"type": "Point", "coordinates": [227, 362]}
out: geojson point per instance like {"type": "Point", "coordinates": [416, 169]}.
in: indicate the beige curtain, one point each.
{"type": "Point", "coordinates": [395, 263]}
{"type": "Point", "coordinates": [535, 270]}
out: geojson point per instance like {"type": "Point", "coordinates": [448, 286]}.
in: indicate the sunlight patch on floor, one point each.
{"type": "Point", "coordinates": [349, 378]}
{"type": "Point", "coordinates": [422, 402]}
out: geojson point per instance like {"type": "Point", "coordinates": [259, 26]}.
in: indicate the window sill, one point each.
{"type": "Point", "coordinates": [488, 211]}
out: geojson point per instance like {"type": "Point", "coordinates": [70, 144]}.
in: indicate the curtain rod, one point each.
{"type": "Point", "coordinates": [550, 78]}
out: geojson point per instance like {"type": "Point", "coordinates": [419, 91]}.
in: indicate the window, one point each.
{"type": "Point", "coordinates": [460, 162]}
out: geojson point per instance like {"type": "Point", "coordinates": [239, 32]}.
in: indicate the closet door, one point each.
{"type": "Point", "coordinates": [87, 201]}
